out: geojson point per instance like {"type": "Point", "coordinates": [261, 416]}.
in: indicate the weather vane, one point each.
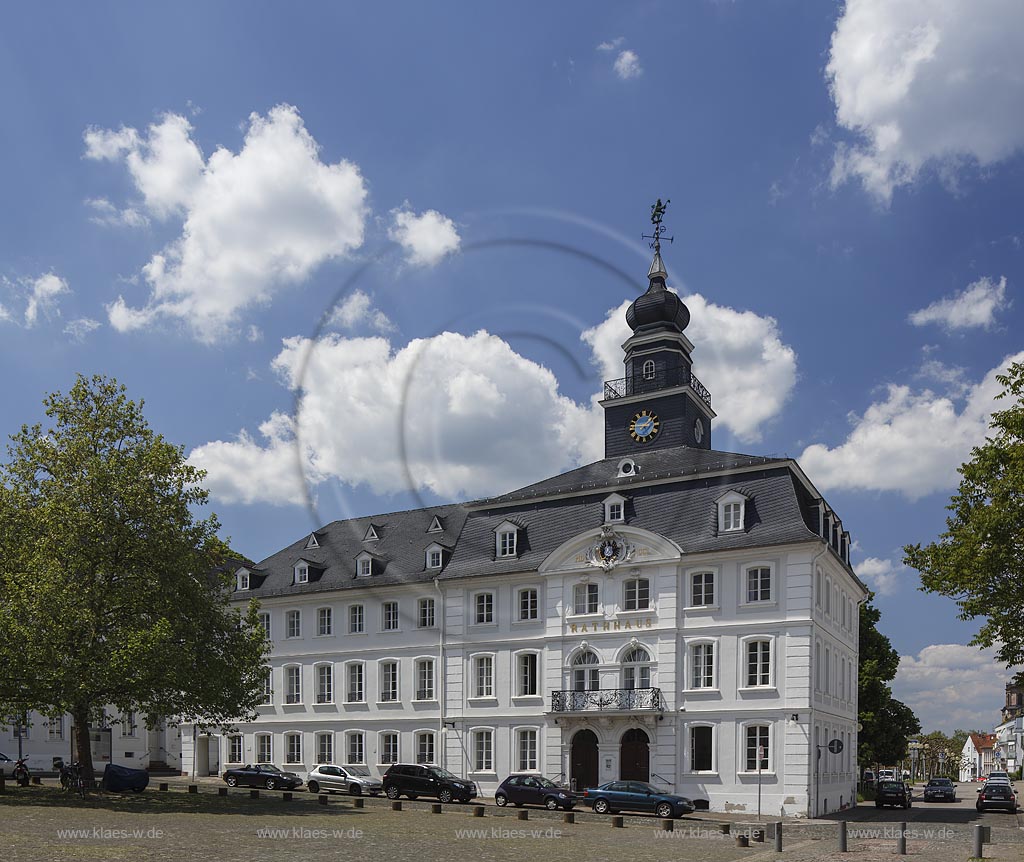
{"type": "Point", "coordinates": [657, 214]}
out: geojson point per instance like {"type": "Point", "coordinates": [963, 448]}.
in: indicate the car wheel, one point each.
{"type": "Point", "coordinates": [231, 781]}
{"type": "Point", "coordinates": [392, 791]}
{"type": "Point", "coordinates": [663, 809]}
{"type": "Point", "coordinates": [313, 787]}
{"type": "Point", "coordinates": [601, 806]}
{"type": "Point", "coordinates": [551, 803]}
{"type": "Point", "coordinates": [271, 784]}
{"type": "Point", "coordinates": [445, 795]}
{"type": "Point", "coordinates": [356, 790]}
{"type": "Point", "coordinates": [500, 799]}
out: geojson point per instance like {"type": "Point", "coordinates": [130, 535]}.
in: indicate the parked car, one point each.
{"type": "Point", "coordinates": [940, 790]}
{"type": "Point", "coordinates": [894, 793]}
{"type": "Point", "coordinates": [996, 794]}
{"type": "Point", "coordinates": [868, 776]}
{"type": "Point", "coordinates": [7, 766]}
{"type": "Point", "coordinates": [1004, 776]}
{"type": "Point", "coordinates": [343, 779]}
{"type": "Point", "coordinates": [415, 779]}
{"type": "Point", "coordinates": [887, 775]}
{"type": "Point", "coordinates": [261, 775]}
{"type": "Point", "coordinates": [635, 796]}
{"type": "Point", "coordinates": [533, 790]}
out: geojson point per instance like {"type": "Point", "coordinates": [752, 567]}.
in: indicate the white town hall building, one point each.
{"type": "Point", "coordinates": [670, 613]}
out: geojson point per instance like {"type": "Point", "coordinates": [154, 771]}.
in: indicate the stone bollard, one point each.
{"type": "Point", "coordinates": [254, 794]}
{"type": "Point", "coordinates": [358, 802]}
{"type": "Point", "coordinates": [286, 796]}
{"type": "Point", "coordinates": [436, 808]}
{"type": "Point", "coordinates": [758, 835]}
{"type": "Point", "coordinates": [742, 841]}
{"type": "Point", "coordinates": [843, 848]}
{"type": "Point", "coordinates": [979, 840]}
{"type": "Point", "coordinates": [478, 811]}
{"type": "Point", "coordinates": [222, 791]}
{"type": "Point", "coordinates": [778, 837]}
{"type": "Point", "coordinates": [163, 786]}
{"type": "Point", "coordinates": [569, 817]}
{"type": "Point", "coordinates": [667, 825]}
{"type": "Point", "coordinates": [36, 779]}
{"type": "Point", "coordinates": [723, 828]}
{"type": "Point", "coordinates": [901, 840]}
{"type": "Point", "coordinates": [396, 805]}
{"type": "Point", "coordinates": [321, 799]}
{"type": "Point", "coordinates": [3, 782]}
{"type": "Point", "coordinates": [523, 815]}
{"type": "Point", "coordinates": [193, 788]}
{"type": "Point", "coordinates": [618, 822]}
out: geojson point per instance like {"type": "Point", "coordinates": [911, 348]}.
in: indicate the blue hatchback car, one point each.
{"type": "Point", "coordinates": [635, 796]}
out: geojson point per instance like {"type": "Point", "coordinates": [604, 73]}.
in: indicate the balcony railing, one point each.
{"type": "Point", "coordinates": [663, 378]}
{"type": "Point", "coordinates": [607, 700]}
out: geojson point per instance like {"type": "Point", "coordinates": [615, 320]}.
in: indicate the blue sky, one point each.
{"type": "Point", "coordinates": [451, 196]}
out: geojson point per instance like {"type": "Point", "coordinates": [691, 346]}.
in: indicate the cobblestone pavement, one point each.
{"type": "Point", "coordinates": [39, 823]}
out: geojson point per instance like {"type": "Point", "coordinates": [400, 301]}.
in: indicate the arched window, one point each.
{"type": "Point", "coordinates": [649, 369]}
{"type": "Point", "coordinates": [636, 671]}
{"type": "Point", "coordinates": [585, 674]}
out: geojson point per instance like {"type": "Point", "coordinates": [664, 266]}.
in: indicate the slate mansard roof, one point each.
{"type": "Point", "coordinates": [673, 492]}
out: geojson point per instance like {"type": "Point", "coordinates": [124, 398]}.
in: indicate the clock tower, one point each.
{"type": "Point", "coordinates": [659, 403]}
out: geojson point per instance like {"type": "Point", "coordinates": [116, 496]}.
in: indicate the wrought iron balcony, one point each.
{"type": "Point", "coordinates": [663, 378]}
{"type": "Point", "coordinates": [607, 700]}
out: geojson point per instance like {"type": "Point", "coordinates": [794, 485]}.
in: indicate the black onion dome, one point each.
{"type": "Point", "coordinates": [659, 307]}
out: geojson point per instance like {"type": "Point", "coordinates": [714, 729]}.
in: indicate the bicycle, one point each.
{"type": "Point", "coordinates": [72, 780]}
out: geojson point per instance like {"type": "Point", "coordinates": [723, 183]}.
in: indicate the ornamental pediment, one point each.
{"type": "Point", "coordinates": [606, 548]}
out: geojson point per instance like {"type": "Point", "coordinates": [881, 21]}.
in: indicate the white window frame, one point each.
{"type": "Point", "coordinates": [691, 593]}
{"type": "Point", "coordinates": [242, 582]}
{"type": "Point", "coordinates": [818, 587]}
{"type": "Point", "coordinates": [322, 755]}
{"type": "Point", "coordinates": [321, 630]}
{"type": "Point", "coordinates": [384, 608]}
{"type": "Point", "coordinates": [382, 741]}
{"type": "Point", "coordinates": [504, 548]}
{"type": "Point", "coordinates": [349, 666]}
{"type": "Point", "coordinates": [394, 693]}
{"type": "Point", "coordinates": [477, 735]}
{"type": "Point", "coordinates": [128, 725]}
{"type": "Point", "coordinates": [263, 744]}
{"type": "Point", "coordinates": [292, 696]}
{"type": "Point", "coordinates": [352, 614]}
{"type": "Point", "coordinates": [268, 688]}
{"type": "Point", "coordinates": [55, 728]}
{"type": "Point", "coordinates": [744, 669]}
{"type": "Point", "coordinates": [688, 753]}
{"type": "Point", "coordinates": [350, 736]}
{"type": "Point", "coordinates": [639, 579]}
{"type": "Point", "coordinates": [828, 597]}
{"type": "Point", "coordinates": [589, 673]}
{"type": "Point", "coordinates": [291, 756]}
{"type": "Point", "coordinates": [614, 509]}
{"type": "Point", "coordinates": [418, 738]}
{"type": "Point", "coordinates": [236, 756]}
{"type": "Point", "coordinates": [431, 552]}
{"type": "Point", "coordinates": [490, 613]}
{"type": "Point", "coordinates": [364, 566]}
{"type": "Point", "coordinates": [482, 692]}
{"type": "Point", "coordinates": [745, 581]}
{"type": "Point", "coordinates": [649, 370]}
{"type": "Point", "coordinates": [292, 614]}
{"type": "Point", "coordinates": [768, 769]}
{"type": "Point", "coordinates": [638, 669]}
{"type": "Point", "coordinates": [586, 586]}
{"type": "Point", "coordinates": [520, 592]}
{"type": "Point", "coordinates": [418, 665]}
{"type": "Point", "coordinates": [531, 763]}
{"type": "Point", "coordinates": [264, 619]}
{"type": "Point", "coordinates": [321, 695]}
{"type": "Point", "coordinates": [426, 613]}
{"type": "Point", "coordinates": [518, 674]}
{"type": "Point", "coordinates": [732, 520]}
{"type": "Point", "coordinates": [692, 648]}
{"type": "Point", "coordinates": [301, 573]}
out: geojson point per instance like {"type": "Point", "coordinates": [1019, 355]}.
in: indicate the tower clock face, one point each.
{"type": "Point", "coordinates": [644, 426]}
{"type": "Point", "coordinates": [698, 430]}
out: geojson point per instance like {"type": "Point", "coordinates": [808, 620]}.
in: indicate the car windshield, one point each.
{"type": "Point", "coordinates": [939, 782]}
{"type": "Point", "coordinates": [643, 787]}
{"type": "Point", "coordinates": [545, 782]}
{"type": "Point", "coordinates": [438, 772]}
{"type": "Point", "coordinates": [268, 768]}
{"type": "Point", "coordinates": [360, 771]}
{"type": "Point", "coordinates": [890, 785]}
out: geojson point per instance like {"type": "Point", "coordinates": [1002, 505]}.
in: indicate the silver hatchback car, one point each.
{"type": "Point", "coordinates": [343, 779]}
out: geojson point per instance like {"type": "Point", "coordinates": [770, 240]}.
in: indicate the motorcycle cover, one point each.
{"type": "Point", "coordinates": [119, 778]}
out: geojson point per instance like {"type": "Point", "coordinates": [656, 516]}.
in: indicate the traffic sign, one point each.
{"type": "Point", "coordinates": [835, 746]}
{"type": "Point", "coordinates": [942, 757]}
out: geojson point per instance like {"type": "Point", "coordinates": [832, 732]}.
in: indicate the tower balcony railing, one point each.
{"type": "Point", "coordinates": [663, 378]}
{"type": "Point", "coordinates": [607, 700]}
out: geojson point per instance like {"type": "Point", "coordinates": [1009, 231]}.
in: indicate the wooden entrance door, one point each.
{"type": "Point", "coordinates": [635, 756]}
{"type": "Point", "coordinates": [583, 760]}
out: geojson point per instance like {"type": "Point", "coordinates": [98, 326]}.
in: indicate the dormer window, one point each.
{"type": "Point", "coordinates": [731, 512]}
{"type": "Point", "coordinates": [301, 573]}
{"type": "Point", "coordinates": [435, 557]}
{"type": "Point", "coordinates": [506, 540]}
{"type": "Point", "coordinates": [242, 580]}
{"type": "Point", "coordinates": [435, 525]}
{"type": "Point", "coordinates": [614, 509]}
{"type": "Point", "coordinates": [371, 534]}
{"type": "Point", "coordinates": [649, 370]}
{"type": "Point", "coordinates": [364, 566]}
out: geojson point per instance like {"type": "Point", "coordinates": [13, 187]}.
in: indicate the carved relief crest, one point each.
{"type": "Point", "coordinates": [610, 550]}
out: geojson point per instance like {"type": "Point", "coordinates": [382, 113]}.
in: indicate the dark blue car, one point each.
{"type": "Point", "coordinates": [635, 796]}
{"type": "Point", "coordinates": [533, 790]}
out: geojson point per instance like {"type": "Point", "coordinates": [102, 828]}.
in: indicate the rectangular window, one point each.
{"type": "Point", "coordinates": [758, 663]}
{"type": "Point", "coordinates": [615, 511]}
{"type": "Point", "coordinates": [703, 589]}
{"type": "Point", "coordinates": [268, 688]}
{"type": "Point", "coordinates": [759, 584]}
{"type": "Point", "coordinates": [527, 674]}
{"type": "Point", "coordinates": [243, 581]}
{"type": "Point", "coordinates": [356, 748]}
{"type": "Point", "coordinates": [433, 559]}
{"type": "Point", "coordinates": [484, 676]}
{"type": "Point", "coordinates": [757, 740]}
{"type": "Point", "coordinates": [526, 750]}
{"type": "Point", "coordinates": [265, 622]}
{"type": "Point", "coordinates": [355, 620]}
{"type": "Point", "coordinates": [365, 567]}
{"type": "Point", "coordinates": [355, 684]}
{"type": "Point", "coordinates": [293, 748]}
{"type": "Point", "coordinates": [529, 606]}
{"type": "Point", "coordinates": [732, 518]}
{"type": "Point", "coordinates": [301, 574]}
{"type": "Point", "coordinates": [324, 622]}
{"type": "Point", "coordinates": [389, 748]}
{"type": "Point", "coordinates": [324, 683]}
{"type": "Point", "coordinates": [483, 750]}
{"type": "Point", "coordinates": [293, 684]}
{"type": "Point", "coordinates": [425, 679]}
{"type": "Point", "coordinates": [585, 599]}
{"type": "Point", "coordinates": [638, 594]}
{"type": "Point", "coordinates": [235, 752]}
{"type": "Point", "coordinates": [389, 681]}
{"type": "Point", "coordinates": [325, 748]}
{"type": "Point", "coordinates": [700, 749]}
{"type": "Point", "coordinates": [507, 543]}
{"type": "Point", "coordinates": [484, 608]}
{"type": "Point", "coordinates": [293, 624]}
{"type": "Point", "coordinates": [424, 748]}
{"type": "Point", "coordinates": [264, 748]}
{"type": "Point", "coordinates": [703, 666]}
{"type": "Point", "coordinates": [128, 724]}
{"type": "Point", "coordinates": [55, 728]}
{"type": "Point", "coordinates": [426, 614]}
{"type": "Point", "coordinates": [389, 611]}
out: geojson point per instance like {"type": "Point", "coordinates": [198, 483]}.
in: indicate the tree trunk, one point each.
{"type": "Point", "coordinates": [82, 744]}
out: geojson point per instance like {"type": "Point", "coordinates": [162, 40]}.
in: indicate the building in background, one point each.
{"type": "Point", "coordinates": [977, 756]}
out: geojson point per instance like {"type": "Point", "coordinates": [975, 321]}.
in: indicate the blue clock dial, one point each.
{"type": "Point", "coordinates": [644, 426]}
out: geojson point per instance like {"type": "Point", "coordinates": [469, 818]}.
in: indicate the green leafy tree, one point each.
{"type": "Point", "coordinates": [112, 591]}
{"type": "Point", "coordinates": [979, 559]}
{"type": "Point", "coordinates": [887, 724]}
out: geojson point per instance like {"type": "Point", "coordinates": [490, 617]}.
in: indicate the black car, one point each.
{"type": "Point", "coordinates": [940, 789]}
{"type": "Point", "coordinates": [415, 779]}
{"type": "Point", "coordinates": [997, 795]}
{"type": "Point", "coordinates": [635, 796]}
{"type": "Point", "coordinates": [893, 793]}
{"type": "Point", "coordinates": [261, 775]}
{"type": "Point", "coordinates": [533, 790]}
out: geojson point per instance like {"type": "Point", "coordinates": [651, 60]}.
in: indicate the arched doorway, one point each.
{"type": "Point", "coordinates": [583, 760]}
{"type": "Point", "coordinates": [635, 756]}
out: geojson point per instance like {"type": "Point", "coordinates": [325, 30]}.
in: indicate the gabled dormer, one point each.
{"type": "Point", "coordinates": [304, 571]}
{"type": "Point", "coordinates": [614, 509]}
{"type": "Point", "coordinates": [508, 540]}
{"type": "Point", "coordinates": [732, 512]}
{"type": "Point", "coordinates": [368, 564]}
{"type": "Point", "coordinates": [312, 542]}
{"type": "Point", "coordinates": [435, 557]}
{"type": "Point", "coordinates": [372, 534]}
{"type": "Point", "coordinates": [242, 580]}
{"type": "Point", "coordinates": [436, 525]}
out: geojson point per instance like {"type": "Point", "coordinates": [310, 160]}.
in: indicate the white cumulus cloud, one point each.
{"type": "Point", "coordinates": [427, 238]}
{"type": "Point", "coordinates": [78, 329]}
{"type": "Point", "coordinates": [973, 307]}
{"type": "Point", "coordinates": [740, 358]}
{"type": "Point", "coordinates": [253, 222]}
{"type": "Point", "coordinates": [627, 65]}
{"type": "Point", "coordinates": [106, 214]}
{"type": "Point", "coordinates": [357, 310]}
{"type": "Point", "coordinates": [883, 576]}
{"type": "Point", "coordinates": [911, 443]}
{"type": "Point", "coordinates": [925, 83]}
{"type": "Point", "coordinates": [44, 295]}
